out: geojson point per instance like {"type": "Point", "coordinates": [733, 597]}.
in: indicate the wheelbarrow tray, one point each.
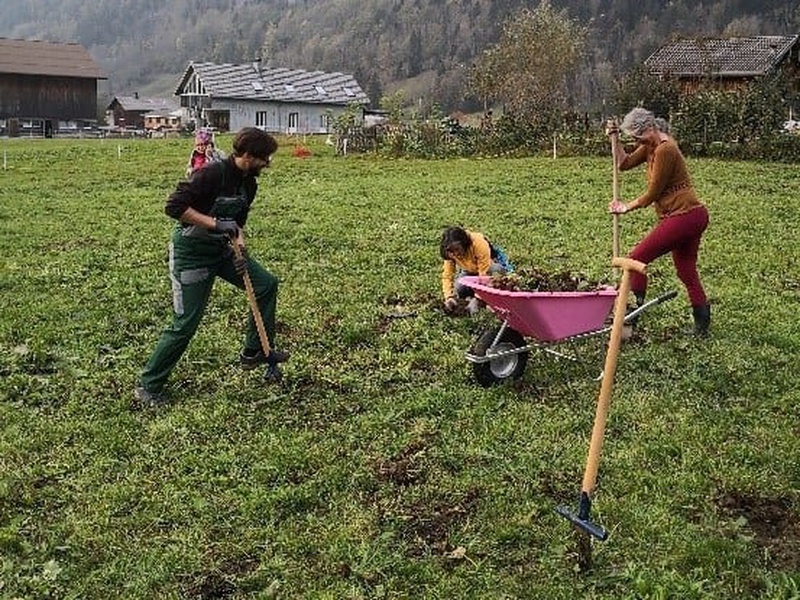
{"type": "Point", "coordinates": [546, 316]}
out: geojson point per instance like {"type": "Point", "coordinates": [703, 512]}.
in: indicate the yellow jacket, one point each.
{"type": "Point", "coordinates": [476, 261]}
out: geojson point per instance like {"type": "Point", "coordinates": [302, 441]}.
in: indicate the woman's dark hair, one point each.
{"type": "Point", "coordinates": [256, 143]}
{"type": "Point", "coordinates": [453, 235]}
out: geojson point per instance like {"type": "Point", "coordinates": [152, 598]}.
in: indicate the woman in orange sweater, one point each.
{"type": "Point", "coordinates": [682, 218]}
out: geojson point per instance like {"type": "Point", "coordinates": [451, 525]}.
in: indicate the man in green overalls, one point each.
{"type": "Point", "coordinates": [211, 208]}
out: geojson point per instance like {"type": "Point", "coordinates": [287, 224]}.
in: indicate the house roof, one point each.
{"type": "Point", "coordinates": [34, 57]}
{"type": "Point", "coordinates": [251, 82]}
{"type": "Point", "coordinates": [732, 57]}
{"type": "Point", "coordinates": [141, 104]}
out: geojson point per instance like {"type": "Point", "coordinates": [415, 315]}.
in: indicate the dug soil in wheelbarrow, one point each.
{"type": "Point", "coordinates": [537, 280]}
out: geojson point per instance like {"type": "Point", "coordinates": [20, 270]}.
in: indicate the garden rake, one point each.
{"type": "Point", "coordinates": [581, 520]}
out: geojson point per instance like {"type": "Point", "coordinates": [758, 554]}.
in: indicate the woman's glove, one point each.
{"type": "Point", "coordinates": [450, 304]}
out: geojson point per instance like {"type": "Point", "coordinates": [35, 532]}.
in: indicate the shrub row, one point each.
{"type": "Point", "coordinates": [505, 138]}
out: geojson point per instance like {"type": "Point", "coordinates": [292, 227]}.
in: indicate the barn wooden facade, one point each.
{"type": "Point", "coordinates": [46, 88]}
{"type": "Point", "coordinates": [728, 63]}
{"type": "Point", "coordinates": [135, 112]}
{"type": "Point", "coordinates": [231, 96]}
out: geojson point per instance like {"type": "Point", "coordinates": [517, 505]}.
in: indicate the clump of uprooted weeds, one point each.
{"type": "Point", "coordinates": [538, 280]}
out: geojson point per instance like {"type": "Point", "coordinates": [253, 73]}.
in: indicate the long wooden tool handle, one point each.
{"type": "Point", "coordinates": [615, 190]}
{"type": "Point", "coordinates": [251, 298]}
{"type": "Point", "coordinates": [598, 431]}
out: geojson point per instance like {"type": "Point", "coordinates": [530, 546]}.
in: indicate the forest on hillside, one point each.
{"type": "Point", "coordinates": [423, 47]}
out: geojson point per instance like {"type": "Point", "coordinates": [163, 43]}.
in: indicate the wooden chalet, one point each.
{"type": "Point", "coordinates": [231, 96]}
{"type": "Point", "coordinates": [135, 112]}
{"type": "Point", "coordinates": [46, 88]}
{"type": "Point", "coordinates": [725, 64]}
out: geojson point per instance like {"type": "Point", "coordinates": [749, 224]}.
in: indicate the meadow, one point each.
{"type": "Point", "coordinates": [378, 468]}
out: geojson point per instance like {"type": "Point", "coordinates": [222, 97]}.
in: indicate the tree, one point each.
{"type": "Point", "coordinates": [641, 88]}
{"type": "Point", "coordinates": [529, 68]}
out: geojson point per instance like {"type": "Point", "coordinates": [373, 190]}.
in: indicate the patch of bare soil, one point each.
{"type": "Point", "coordinates": [774, 523]}
{"type": "Point", "coordinates": [428, 523]}
{"type": "Point", "coordinates": [221, 582]}
{"type": "Point", "coordinates": [404, 468]}
{"type": "Point", "coordinates": [426, 519]}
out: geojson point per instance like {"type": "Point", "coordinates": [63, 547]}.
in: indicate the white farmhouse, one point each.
{"type": "Point", "coordinates": [228, 97]}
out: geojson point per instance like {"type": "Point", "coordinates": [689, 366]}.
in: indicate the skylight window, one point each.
{"type": "Point", "coordinates": [289, 87]}
{"type": "Point", "coordinates": [257, 86]}
{"type": "Point", "coordinates": [348, 92]}
{"type": "Point", "coordinates": [321, 90]}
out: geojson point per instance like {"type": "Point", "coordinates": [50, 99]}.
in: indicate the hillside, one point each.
{"type": "Point", "coordinates": [421, 46]}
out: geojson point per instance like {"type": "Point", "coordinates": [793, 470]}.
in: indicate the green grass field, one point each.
{"type": "Point", "coordinates": [379, 468]}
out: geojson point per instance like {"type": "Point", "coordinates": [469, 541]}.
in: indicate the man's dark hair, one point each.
{"type": "Point", "coordinates": [254, 142]}
{"type": "Point", "coordinates": [453, 235]}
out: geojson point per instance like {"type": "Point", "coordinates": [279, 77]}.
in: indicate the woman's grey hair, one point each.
{"type": "Point", "coordinates": [662, 125]}
{"type": "Point", "coordinates": [638, 121]}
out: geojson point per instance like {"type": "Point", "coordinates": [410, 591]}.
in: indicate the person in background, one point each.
{"type": "Point", "coordinates": [682, 217]}
{"type": "Point", "coordinates": [204, 152]}
{"type": "Point", "coordinates": [466, 252]}
{"type": "Point", "coordinates": [211, 210]}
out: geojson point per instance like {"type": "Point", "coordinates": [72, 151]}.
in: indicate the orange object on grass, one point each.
{"type": "Point", "coordinates": [301, 152]}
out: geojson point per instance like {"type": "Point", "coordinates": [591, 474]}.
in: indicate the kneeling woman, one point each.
{"type": "Point", "coordinates": [467, 252]}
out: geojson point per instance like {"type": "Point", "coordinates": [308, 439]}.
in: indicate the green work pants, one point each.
{"type": "Point", "coordinates": [193, 266]}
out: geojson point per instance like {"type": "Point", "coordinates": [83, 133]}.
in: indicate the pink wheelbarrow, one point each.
{"type": "Point", "coordinates": [549, 318]}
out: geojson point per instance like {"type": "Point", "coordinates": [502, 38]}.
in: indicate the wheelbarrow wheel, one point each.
{"type": "Point", "coordinates": [497, 370]}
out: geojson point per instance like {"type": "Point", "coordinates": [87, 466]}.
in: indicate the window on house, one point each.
{"type": "Point", "coordinates": [261, 118]}
{"type": "Point", "coordinates": [294, 121]}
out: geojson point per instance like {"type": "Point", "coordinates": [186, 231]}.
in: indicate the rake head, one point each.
{"type": "Point", "coordinates": [273, 374]}
{"type": "Point", "coordinates": [581, 519]}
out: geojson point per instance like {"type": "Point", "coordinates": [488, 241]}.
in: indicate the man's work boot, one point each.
{"type": "Point", "coordinates": [250, 359]}
{"type": "Point", "coordinates": [147, 398]}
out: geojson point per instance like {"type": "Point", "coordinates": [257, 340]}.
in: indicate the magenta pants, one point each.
{"type": "Point", "coordinates": [679, 234]}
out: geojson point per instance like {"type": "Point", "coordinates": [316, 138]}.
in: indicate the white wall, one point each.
{"type": "Point", "coordinates": [275, 117]}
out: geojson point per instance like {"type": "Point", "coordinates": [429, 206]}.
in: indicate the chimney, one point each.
{"type": "Point", "coordinates": [136, 95]}
{"type": "Point", "coordinates": [257, 66]}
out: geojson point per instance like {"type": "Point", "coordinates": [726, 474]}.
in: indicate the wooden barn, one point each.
{"type": "Point", "coordinates": [135, 112]}
{"type": "Point", "coordinates": [46, 88]}
{"type": "Point", "coordinates": [726, 64]}
{"type": "Point", "coordinates": [231, 96]}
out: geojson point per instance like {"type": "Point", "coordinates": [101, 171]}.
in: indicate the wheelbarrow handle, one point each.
{"type": "Point", "coordinates": [663, 298]}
